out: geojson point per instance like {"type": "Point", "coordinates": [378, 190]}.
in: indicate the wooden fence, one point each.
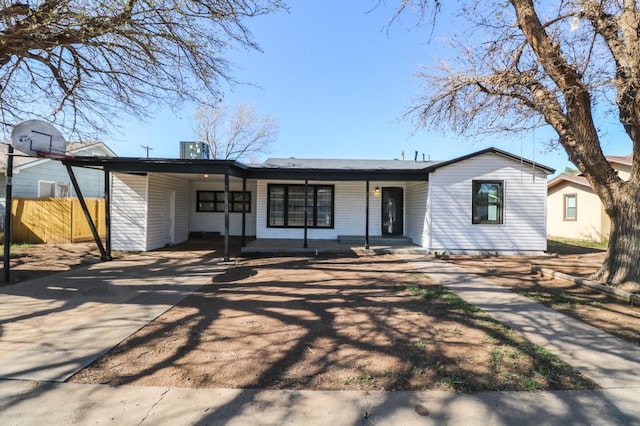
{"type": "Point", "coordinates": [55, 220]}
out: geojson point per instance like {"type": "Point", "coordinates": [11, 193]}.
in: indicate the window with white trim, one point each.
{"type": "Point", "coordinates": [570, 206]}
{"type": "Point", "coordinates": [47, 189]}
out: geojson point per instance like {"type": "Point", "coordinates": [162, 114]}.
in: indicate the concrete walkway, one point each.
{"type": "Point", "coordinates": [53, 327]}
{"type": "Point", "coordinates": [608, 360]}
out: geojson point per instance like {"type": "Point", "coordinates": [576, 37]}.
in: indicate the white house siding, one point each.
{"type": "Point", "coordinates": [415, 212]}
{"type": "Point", "coordinates": [524, 227]}
{"type": "Point", "coordinates": [214, 221]}
{"type": "Point", "coordinates": [128, 212]}
{"type": "Point", "coordinates": [349, 211]}
{"type": "Point", "coordinates": [160, 186]}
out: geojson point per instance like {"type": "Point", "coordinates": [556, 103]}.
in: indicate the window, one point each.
{"type": "Point", "coordinates": [287, 206]}
{"type": "Point", "coordinates": [570, 207]}
{"type": "Point", "coordinates": [213, 201]}
{"type": "Point", "coordinates": [48, 189]}
{"type": "Point", "coordinates": [487, 202]}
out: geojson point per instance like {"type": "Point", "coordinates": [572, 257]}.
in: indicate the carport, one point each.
{"type": "Point", "coordinates": [143, 166]}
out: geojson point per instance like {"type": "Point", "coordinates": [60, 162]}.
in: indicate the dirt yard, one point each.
{"type": "Point", "coordinates": [351, 322]}
{"type": "Point", "coordinates": [38, 260]}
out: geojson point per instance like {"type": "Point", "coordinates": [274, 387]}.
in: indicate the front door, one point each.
{"type": "Point", "coordinates": [392, 210]}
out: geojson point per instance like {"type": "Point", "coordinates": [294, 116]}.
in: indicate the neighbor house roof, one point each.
{"type": "Point", "coordinates": [21, 159]}
{"type": "Point", "coordinates": [626, 160]}
{"type": "Point", "coordinates": [577, 179]}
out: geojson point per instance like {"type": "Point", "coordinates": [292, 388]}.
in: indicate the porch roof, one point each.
{"type": "Point", "coordinates": [342, 170]}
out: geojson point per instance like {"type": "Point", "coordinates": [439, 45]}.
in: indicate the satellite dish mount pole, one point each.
{"type": "Point", "coordinates": [7, 216]}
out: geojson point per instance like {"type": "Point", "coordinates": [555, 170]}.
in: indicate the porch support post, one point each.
{"type": "Point", "coordinates": [87, 215]}
{"type": "Point", "coordinates": [366, 230]}
{"type": "Point", "coordinates": [7, 215]}
{"type": "Point", "coordinates": [243, 242]}
{"type": "Point", "coordinates": [306, 188]}
{"type": "Point", "coordinates": [226, 215]}
{"type": "Point", "coordinates": [107, 211]}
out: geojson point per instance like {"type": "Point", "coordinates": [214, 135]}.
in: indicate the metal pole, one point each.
{"type": "Point", "coordinates": [7, 216]}
{"type": "Point", "coordinates": [243, 242]}
{"type": "Point", "coordinates": [107, 212]}
{"type": "Point", "coordinates": [87, 215]}
{"type": "Point", "coordinates": [366, 230]}
{"type": "Point", "coordinates": [226, 215]}
{"type": "Point", "coordinates": [306, 188]}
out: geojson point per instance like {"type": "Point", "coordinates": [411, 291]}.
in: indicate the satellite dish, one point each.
{"type": "Point", "coordinates": [38, 139]}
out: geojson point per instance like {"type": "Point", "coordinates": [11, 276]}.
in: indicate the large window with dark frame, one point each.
{"type": "Point", "coordinates": [213, 201]}
{"type": "Point", "coordinates": [287, 206]}
{"type": "Point", "coordinates": [487, 202]}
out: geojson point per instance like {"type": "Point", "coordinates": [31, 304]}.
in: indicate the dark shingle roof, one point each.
{"type": "Point", "coordinates": [343, 164]}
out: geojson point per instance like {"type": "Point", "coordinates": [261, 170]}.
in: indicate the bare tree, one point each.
{"type": "Point", "coordinates": [237, 134]}
{"type": "Point", "coordinates": [76, 63]}
{"type": "Point", "coordinates": [568, 64]}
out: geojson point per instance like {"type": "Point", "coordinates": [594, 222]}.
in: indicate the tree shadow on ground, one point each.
{"type": "Point", "coordinates": [326, 323]}
{"type": "Point", "coordinates": [566, 248]}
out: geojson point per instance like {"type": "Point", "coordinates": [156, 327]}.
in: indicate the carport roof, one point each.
{"type": "Point", "coordinates": [290, 168]}
{"type": "Point", "coordinates": [270, 169]}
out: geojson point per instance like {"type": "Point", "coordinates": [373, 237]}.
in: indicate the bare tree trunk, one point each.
{"type": "Point", "coordinates": [623, 252]}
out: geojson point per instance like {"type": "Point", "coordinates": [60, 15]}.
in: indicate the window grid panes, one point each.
{"type": "Point", "coordinates": [213, 201]}
{"type": "Point", "coordinates": [287, 206]}
{"type": "Point", "coordinates": [487, 202]}
{"type": "Point", "coordinates": [570, 207]}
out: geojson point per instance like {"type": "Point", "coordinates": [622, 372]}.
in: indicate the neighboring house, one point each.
{"type": "Point", "coordinates": [574, 211]}
{"type": "Point", "coordinates": [489, 201]}
{"type": "Point", "coordinates": [43, 177]}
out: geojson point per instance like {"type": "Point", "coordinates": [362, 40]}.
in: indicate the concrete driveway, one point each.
{"type": "Point", "coordinates": [54, 326]}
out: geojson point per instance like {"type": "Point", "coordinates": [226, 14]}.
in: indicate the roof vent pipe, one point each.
{"type": "Point", "coordinates": [423, 157]}
{"type": "Point", "coordinates": [415, 157]}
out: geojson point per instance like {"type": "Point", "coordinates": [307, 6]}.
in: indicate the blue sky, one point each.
{"type": "Point", "coordinates": [339, 81]}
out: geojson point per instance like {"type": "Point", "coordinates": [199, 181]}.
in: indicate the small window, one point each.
{"type": "Point", "coordinates": [213, 201]}
{"type": "Point", "coordinates": [487, 202]}
{"type": "Point", "coordinates": [62, 189]}
{"type": "Point", "coordinates": [570, 207]}
{"type": "Point", "coordinates": [48, 189]}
